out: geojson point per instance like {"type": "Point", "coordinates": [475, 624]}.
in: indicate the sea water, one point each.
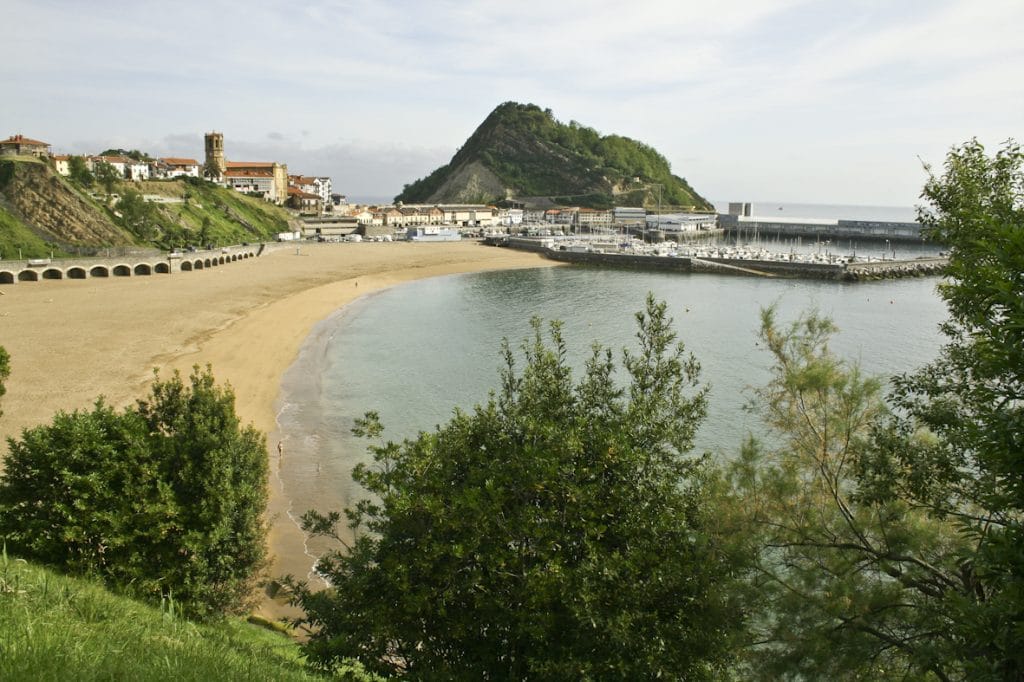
{"type": "Point", "coordinates": [418, 351]}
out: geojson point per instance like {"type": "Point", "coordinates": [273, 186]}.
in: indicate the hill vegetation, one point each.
{"type": "Point", "coordinates": [56, 627]}
{"type": "Point", "coordinates": [42, 212]}
{"type": "Point", "coordinates": [521, 151]}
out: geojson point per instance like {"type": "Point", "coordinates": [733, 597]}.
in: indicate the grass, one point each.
{"type": "Point", "coordinates": [16, 238]}
{"type": "Point", "coordinates": [54, 627]}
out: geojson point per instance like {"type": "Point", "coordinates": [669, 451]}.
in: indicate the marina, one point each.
{"type": "Point", "coordinates": [741, 259]}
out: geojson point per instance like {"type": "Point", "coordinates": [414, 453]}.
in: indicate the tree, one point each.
{"type": "Point", "coordinates": [851, 583]}
{"type": "Point", "coordinates": [107, 176]}
{"type": "Point", "coordinates": [211, 170]}
{"type": "Point", "coordinates": [164, 499]}
{"type": "Point", "coordinates": [79, 171]}
{"type": "Point", "coordinates": [138, 216]}
{"type": "Point", "coordinates": [558, 532]}
{"type": "Point", "coordinates": [892, 539]}
{"type": "Point", "coordinates": [5, 371]}
{"type": "Point", "coordinates": [970, 401]}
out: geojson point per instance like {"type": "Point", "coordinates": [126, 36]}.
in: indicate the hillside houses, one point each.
{"type": "Point", "coordinates": [312, 195]}
{"type": "Point", "coordinates": [19, 145]}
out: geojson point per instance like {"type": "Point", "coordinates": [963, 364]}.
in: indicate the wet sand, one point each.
{"type": "Point", "coordinates": [71, 341]}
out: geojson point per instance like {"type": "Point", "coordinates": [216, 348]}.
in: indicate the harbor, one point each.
{"type": "Point", "coordinates": [758, 261]}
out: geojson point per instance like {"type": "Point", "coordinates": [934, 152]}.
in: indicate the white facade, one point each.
{"type": "Point", "coordinates": [137, 170]}
{"type": "Point", "coordinates": [322, 187]}
{"type": "Point", "coordinates": [62, 165]}
{"type": "Point", "coordinates": [175, 168]}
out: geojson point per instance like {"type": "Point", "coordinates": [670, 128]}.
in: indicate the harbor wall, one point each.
{"type": "Point", "coordinates": [849, 272]}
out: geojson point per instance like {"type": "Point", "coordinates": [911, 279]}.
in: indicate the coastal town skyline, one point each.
{"type": "Point", "coordinates": [785, 100]}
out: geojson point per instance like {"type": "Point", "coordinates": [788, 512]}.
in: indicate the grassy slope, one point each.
{"type": "Point", "coordinates": [53, 627]}
{"type": "Point", "coordinates": [232, 217]}
{"type": "Point", "coordinates": [15, 238]}
{"type": "Point", "coordinates": [14, 235]}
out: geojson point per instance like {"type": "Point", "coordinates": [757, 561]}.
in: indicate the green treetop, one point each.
{"type": "Point", "coordinates": [558, 532]}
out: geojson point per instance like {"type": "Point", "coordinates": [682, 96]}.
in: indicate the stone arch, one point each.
{"type": "Point", "coordinates": [221, 259]}
{"type": "Point", "coordinates": [76, 272]}
{"type": "Point", "coordinates": [186, 266]}
{"type": "Point", "coordinates": [163, 268]}
{"type": "Point", "coordinates": [28, 276]}
{"type": "Point", "coordinates": [207, 263]}
{"type": "Point", "coordinates": [233, 257]}
{"type": "Point", "coordinates": [143, 269]}
{"type": "Point", "coordinates": [122, 270]}
{"type": "Point", "coordinates": [99, 271]}
{"type": "Point", "coordinates": [7, 277]}
{"type": "Point", "coordinates": [199, 265]}
{"type": "Point", "coordinates": [53, 273]}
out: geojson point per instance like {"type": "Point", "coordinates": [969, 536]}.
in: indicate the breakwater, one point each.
{"type": "Point", "coordinates": [847, 272]}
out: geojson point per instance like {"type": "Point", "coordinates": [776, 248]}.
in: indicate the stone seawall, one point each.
{"type": "Point", "coordinates": [850, 272]}
{"type": "Point", "coordinates": [920, 267]}
{"type": "Point", "coordinates": [617, 260]}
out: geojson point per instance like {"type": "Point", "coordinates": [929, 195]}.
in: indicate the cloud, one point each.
{"type": "Point", "coordinates": [752, 89]}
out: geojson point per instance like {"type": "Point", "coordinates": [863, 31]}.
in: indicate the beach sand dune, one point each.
{"type": "Point", "coordinates": [71, 341]}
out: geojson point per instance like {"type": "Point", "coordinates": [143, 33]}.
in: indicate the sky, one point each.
{"type": "Point", "coordinates": [812, 101]}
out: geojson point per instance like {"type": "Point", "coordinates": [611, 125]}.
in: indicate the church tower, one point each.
{"type": "Point", "coordinates": [215, 154]}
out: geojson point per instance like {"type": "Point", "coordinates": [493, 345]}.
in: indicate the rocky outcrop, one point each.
{"type": "Point", "coordinates": [522, 152]}
{"type": "Point", "coordinates": [470, 183]}
{"type": "Point", "coordinates": [42, 200]}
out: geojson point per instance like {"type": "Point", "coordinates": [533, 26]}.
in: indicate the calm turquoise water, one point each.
{"type": "Point", "coordinates": [417, 351]}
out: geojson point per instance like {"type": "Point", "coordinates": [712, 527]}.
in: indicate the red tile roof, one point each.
{"type": "Point", "coordinates": [296, 192]}
{"type": "Point", "coordinates": [21, 139]}
{"type": "Point", "coordinates": [174, 161]}
{"type": "Point", "coordinates": [250, 164]}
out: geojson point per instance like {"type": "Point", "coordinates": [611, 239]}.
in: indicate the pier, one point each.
{"type": "Point", "coordinates": [757, 264]}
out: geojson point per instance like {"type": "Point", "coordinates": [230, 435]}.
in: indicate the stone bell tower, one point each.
{"type": "Point", "coordinates": [215, 154]}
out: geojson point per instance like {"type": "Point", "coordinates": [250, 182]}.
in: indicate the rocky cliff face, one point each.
{"type": "Point", "coordinates": [42, 200]}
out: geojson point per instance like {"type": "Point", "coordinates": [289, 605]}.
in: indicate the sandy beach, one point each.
{"type": "Point", "coordinates": [73, 340]}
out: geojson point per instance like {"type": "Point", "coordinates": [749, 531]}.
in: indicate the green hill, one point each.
{"type": "Point", "coordinates": [521, 152]}
{"type": "Point", "coordinates": [53, 627]}
{"type": "Point", "coordinates": [42, 212]}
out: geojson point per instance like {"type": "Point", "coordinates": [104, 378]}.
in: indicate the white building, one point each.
{"type": "Point", "coordinates": [174, 167]}
{"type": "Point", "coordinates": [62, 164]}
{"type": "Point", "coordinates": [137, 170]}
{"type": "Point", "coordinates": [323, 188]}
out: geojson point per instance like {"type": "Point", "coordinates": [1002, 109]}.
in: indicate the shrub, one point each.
{"type": "Point", "coordinates": [163, 499]}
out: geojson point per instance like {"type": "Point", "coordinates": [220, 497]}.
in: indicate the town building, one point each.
{"type": "Point", "coordinates": [215, 162]}
{"type": "Point", "coordinates": [118, 163]}
{"type": "Point", "coordinates": [268, 179]}
{"type": "Point", "coordinates": [304, 202]}
{"type": "Point", "coordinates": [171, 167]}
{"type": "Point", "coordinates": [19, 145]}
{"type": "Point", "coordinates": [469, 215]}
{"type": "Point", "coordinates": [62, 164]}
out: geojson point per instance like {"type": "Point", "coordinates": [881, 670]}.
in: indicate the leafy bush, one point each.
{"type": "Point", "coordinates": [558, 532]}
{"type": "Point", "coordinates": [163, 499]}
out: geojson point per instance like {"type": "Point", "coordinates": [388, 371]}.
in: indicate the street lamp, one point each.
{"type": "Point", "coordinates": [886, 248]}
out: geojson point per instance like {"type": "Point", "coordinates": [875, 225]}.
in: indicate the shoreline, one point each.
{"type": "Point", "coordinates": [72, 341]}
